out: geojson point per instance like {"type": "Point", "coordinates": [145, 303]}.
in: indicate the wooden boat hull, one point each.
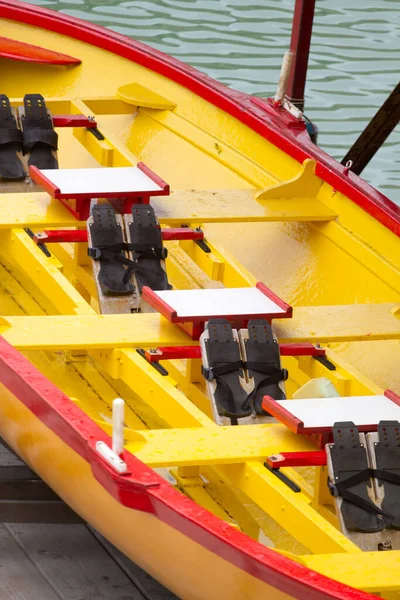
{"type": "Point", "coordinates": [191, 551]}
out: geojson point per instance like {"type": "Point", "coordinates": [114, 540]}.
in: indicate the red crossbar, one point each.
{"type": "Point", "coordinates": [182, 233]}
{"type": "Point", "coordinates": [49, 236]}
{"type": "Point", "coordinates": [315, 458]}
{"type": "Point", "coordinates": [58, 236]}
{"type": "Point", "coordinates": [305, 349]}
{"type": "Point", "coordinates": [172, 352]}
{"type": "Point", "coordinates": [73, 121]}
{"type": "Point", "coordinates": [175, 352]}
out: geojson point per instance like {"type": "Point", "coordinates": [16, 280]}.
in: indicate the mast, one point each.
{"type": "Point", "coordinates": [300, 47]}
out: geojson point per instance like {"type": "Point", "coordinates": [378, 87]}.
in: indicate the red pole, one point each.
{"type": "Point", "coordinates": [300, 46]}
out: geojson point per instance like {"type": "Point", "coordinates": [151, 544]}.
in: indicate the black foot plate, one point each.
{"type": "Point", "coordinates": [106, 234]}
{"type": "Point", "coordinates": [263, 364]}
{"type": "Point", "coordinates": [387, 454]}
{"type": "Point", "coordinates": [225, 366]}
{"type": "Point", "coordinates": [11, 168]}
{"type": "Point", "coordinates": [39, 137]}
{"type": "Point", "coordinates": [147, 248]}
{"type": "Point", "coordinates": [349, 460]}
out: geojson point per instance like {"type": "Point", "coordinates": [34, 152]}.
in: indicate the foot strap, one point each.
{"type": "Point", "coordinates": [108, 247]}
{"type": "Point", "coordinates": [11, 167]}
{"type": "Point", "coordinates": [263, 365]}
{"type": "Point", "coordinates": [147, 249]}
{"type": "Point", "coordinates": [352, 478]}
{"type": "Point", "coordinates": [38, 136]}
{"type": "Point", "coordinates": [225, 366]}
{"type": "Point", "coordinates": [387, 453]}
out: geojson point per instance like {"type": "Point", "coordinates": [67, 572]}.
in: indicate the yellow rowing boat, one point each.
{"type": "Point", "coordinates": [259, 223]}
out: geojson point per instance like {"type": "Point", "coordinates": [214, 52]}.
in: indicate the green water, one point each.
{"type": "Point", "coordinates": [354, 62]}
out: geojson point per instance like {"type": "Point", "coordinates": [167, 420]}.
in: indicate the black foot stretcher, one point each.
{"type": "Point", "coordinates": [38, 136]}
{"type": "Point", "coordinates": [11, 167]}
{"type": "Point", "coordinates": [147, 252]}
{"type": "Point", "coordinates": [111, 270]}
{"type": "Point", "coordinates": [223, 369]}
{"type": "Point", "coordinates": [260, 351]}
{"type": "Point", "coordinates": [364, 473]}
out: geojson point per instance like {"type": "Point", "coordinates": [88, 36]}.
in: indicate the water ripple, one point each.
{"type": "Point", "coordinates": [353, 64]}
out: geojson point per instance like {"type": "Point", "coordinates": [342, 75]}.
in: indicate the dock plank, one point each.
{"type": "Point", "coordinates": [54, 561]}
{"type": "Point", "coordinates": [19, 578]}
{"type": "Point", "coordinates": [72, 562]}
{"type": "Point", "coordinates": [152, 589]}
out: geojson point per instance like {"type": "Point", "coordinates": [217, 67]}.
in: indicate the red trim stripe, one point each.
{"type": "Point", "coordinates": [277, 128]}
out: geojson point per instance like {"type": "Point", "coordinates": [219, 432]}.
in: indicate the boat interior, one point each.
{"type": "Point", "coordinates": [246, 234]}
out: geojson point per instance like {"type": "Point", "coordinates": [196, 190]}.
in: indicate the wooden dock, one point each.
{"type": "Point", "coordinates": [48, 553]}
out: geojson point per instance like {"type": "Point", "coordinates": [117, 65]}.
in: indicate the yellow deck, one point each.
{"type": "Point", "coordinates": [266, 218]}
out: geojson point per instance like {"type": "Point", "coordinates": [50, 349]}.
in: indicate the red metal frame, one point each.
{"type": "Point", "coordinates": [81, 210]}
{"type": "Point", "coordinates": [73, 121]}
{"type": "Point", "coordinates": [300, 46]}
{"type": "Point", "coordinates": [15, 50]}
{"type": "Point", "coordinates": [55, 192]}
{"type": "Point", "coordinates": [392, 396]}
{"type": "Point", "coordinates": [185, 352]}
{"type": "Point", "coordinates": [169, 313]}
{"type": "Point", "coordinates": [142, 489]}
{"type": "Point", "coordinates": [49, 236]}
{"type": "Point", "coordinates": [297, 459]}
{"type": "Point", "coordinates": [181, 233]}
{"type": "Point", "coordinates": [294, 424]}
{"type": "Point", "coordinates": [272, 296]}
{"type": "Point", "coordinates": [274, 127]}
{"type": "Point", "coordinates": [59, 236]}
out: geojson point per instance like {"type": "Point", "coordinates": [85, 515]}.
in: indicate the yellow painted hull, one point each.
{"type": "Point", "coordinates": [273, 208]}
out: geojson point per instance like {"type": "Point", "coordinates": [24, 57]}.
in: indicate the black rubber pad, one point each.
{"type": "Point", "coordinates": [104, 232]}
{"type": "Point", "coordinates": [39, 137]}
{"type": "Point", "coordinates": [11, 168]}
{"type": "Point", "coordinates": [224, 360]}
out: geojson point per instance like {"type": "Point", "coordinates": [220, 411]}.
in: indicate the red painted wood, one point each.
{"type": "Point", "coordinates": [305, 349]}
{"type": "Point", "coordinates": [148, 295]}
{"type": "Point", "coordinates": [284, 416]}
{"type": "Point", "coordinates": [297, 459]}
{"type": "Point", "coordinates": [54, 236]}
{"type": "Point", "coordinates": [156, 178]}
{"type": "Point", "coordinates": [241, 106]}
{"type": "Point", "coordinates": [67, 235]}
{"type": "Point", "coordinates": [393, 396]}
{"type": "Point", "coordinates": [300, 46]}
{"type": "Point", "coordinates": [272, 296]}
{"type": "Point", "coordinates": [296, 425]}
{"type": "Point", "coordinates": [55, 192]}
{"type": "Point", "coordinates": [181, 233]}
{"type": "Point", "coordinates": [28, 53]}
{"type": "Point", "coordinates": [45, 183]}
{"type": "Point", "coordinates": [237, 321]}
{"type": "Point", "coordinates": [173, 353]}
{"type": "Point", "coordinates": [73, 121]}
{"type": "Point", "coordinates": [185, 352]}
